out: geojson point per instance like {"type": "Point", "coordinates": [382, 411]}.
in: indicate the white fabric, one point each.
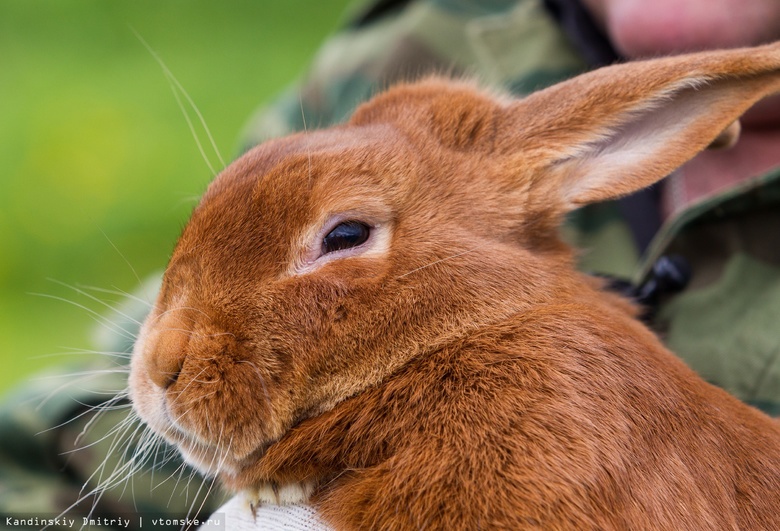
{"type": "Point", "coordinates": [236, 515]}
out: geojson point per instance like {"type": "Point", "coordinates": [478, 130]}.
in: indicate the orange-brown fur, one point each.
{"type": "Point", "coordinates": [467, 377]}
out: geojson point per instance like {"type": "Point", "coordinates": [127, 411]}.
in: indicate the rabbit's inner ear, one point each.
{"type": "Point", "coordinates": [651, 142]}
{"type": "Point", "coordinates": [619, 129]}
{"type": "Point", "coordinates": [647, 146]}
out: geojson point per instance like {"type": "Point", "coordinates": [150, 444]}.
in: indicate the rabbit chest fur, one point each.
{"type": "Point", "coordinates": [381, 318]}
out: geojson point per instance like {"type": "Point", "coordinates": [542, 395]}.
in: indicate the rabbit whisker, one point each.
{"type": "Point", "coordinates": [95, 316]}
{"type": "Point", "coordinates": [122, 256]}
{"type": "Point", "coordinates": [451, 257]}
{"type": "Point", "coordinates": [176, 88]}
{"type": "Point", "coordinates": [116, 291]}
{"type": "Point", "coordinates": [96, 299]}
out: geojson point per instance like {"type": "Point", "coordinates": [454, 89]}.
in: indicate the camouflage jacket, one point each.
{"type": "Point", "coordinates": [723, 323]}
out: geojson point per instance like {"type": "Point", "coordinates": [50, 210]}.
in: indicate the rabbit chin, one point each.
{"type": "Point", "coordinates": [208, 460]}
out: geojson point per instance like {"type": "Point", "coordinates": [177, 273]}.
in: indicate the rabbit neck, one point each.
{"type": "Point", "coordinates": [549, 398]}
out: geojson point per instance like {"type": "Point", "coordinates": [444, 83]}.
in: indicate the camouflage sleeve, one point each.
{"type": "Point", "coordinates": [724, 325]}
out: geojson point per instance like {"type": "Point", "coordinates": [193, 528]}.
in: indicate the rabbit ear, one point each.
{"type": "Point", "coordinates": [619, 129]}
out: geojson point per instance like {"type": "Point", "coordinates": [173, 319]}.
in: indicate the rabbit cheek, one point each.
{"type": "Point", "coordinates": [202, 390]}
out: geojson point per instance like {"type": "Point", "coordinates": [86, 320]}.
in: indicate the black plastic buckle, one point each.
{"type": "Point", "coordinates": [668, 276]}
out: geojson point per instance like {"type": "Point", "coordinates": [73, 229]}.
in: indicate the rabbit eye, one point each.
{"type": "Point", "coordinates": [345, 236]}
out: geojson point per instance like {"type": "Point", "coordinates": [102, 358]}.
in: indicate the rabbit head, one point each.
{"type": "Point", "coordinates": [319, 265]}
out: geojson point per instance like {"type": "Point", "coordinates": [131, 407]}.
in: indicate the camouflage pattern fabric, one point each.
{"type": "Point", "coordinates": [723, 324]}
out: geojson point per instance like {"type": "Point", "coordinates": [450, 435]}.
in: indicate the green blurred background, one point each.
{"type": "Point", "coordinates": [98, 168]}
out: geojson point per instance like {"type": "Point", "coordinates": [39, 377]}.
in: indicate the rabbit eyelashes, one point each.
{"type": "Point", "coordinates": [382, 315]}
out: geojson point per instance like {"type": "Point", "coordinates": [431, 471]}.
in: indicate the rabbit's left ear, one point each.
{"type": "Point", "coordinates": [622, 128]}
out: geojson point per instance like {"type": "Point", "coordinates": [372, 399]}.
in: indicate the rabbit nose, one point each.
{"type": "Point", "coordinates": [166, 356]}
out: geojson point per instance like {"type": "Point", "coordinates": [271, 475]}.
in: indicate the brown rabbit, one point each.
{"type": "Point", "coordinates": [382, 318]}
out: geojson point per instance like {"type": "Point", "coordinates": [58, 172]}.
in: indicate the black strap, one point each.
{"type": "Point", "coordinates": [376, 10]}
{"type": "Point", "coordinates": [668, 276]}
{"type": "Point", "coordinates": [578, 25]}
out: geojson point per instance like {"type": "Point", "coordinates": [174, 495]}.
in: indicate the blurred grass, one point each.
{"type": "Point", "coordinates": [98, 168]}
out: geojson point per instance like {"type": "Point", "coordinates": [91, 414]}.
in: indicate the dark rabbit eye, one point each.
{"type": "Point", "coordinates": [345, 236]}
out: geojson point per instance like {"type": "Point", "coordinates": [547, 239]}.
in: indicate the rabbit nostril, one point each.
{"type": "Point", "coordinates": [166, 357]}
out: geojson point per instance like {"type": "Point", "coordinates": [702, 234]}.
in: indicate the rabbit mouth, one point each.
{"type": "Point", "coordinates": [208, 457]}
{"type": "Point", "coordinates": [213, 458]}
